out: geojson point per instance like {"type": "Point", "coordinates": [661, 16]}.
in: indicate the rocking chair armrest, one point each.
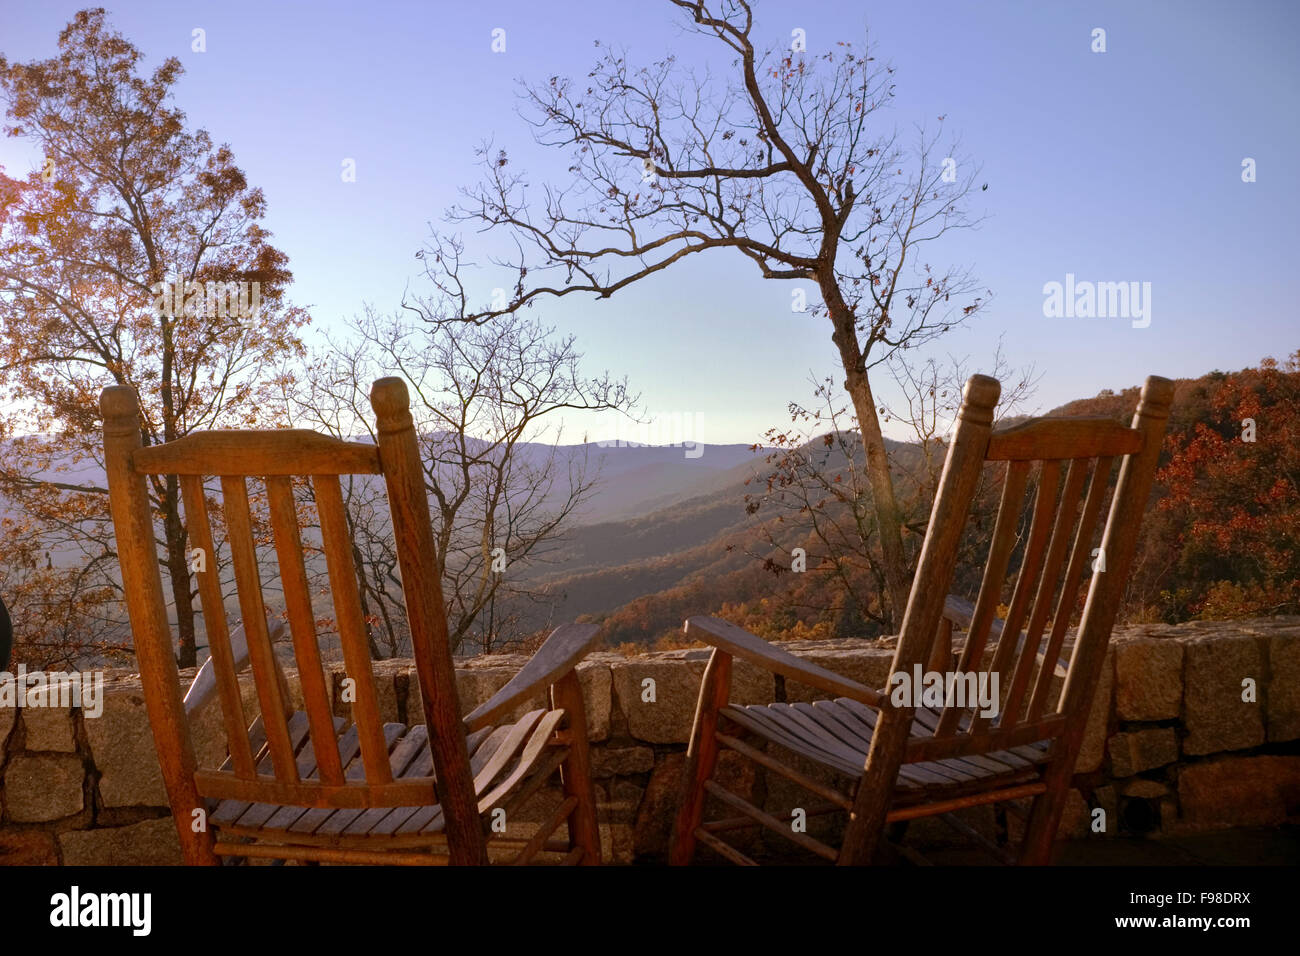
{"type": "Point", "coordinates": [205, 680]}
{"type": "Point", "coordinates": [739, 642]}
{"type": "Point", "coordinates": [961, 612]}
{"type": "Point", "coordinates": [567, 645]}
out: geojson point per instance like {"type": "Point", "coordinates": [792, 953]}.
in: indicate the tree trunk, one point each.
{"type": "Point", "coordinates": [856, 384]}
{"type": "Point", "coordinates": [178, 569]}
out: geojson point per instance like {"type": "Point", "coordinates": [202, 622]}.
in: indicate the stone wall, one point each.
{"type": "Point", "coordinates": [1171, 746]}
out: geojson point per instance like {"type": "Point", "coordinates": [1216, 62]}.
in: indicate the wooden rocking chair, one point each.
{"type": "Point", "coordinates": [898, 763]}
{"type": "Point", "coordinates": [304, 784]}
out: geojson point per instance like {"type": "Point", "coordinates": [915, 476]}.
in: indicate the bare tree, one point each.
{"type": "Point", "coordinates": [785, 162]}
{"type": "Point", "coordinates": [501, 486]}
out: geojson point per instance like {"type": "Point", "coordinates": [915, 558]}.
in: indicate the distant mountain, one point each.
{"type": "Point", "coordinates": [642, 576]}
{"type": "Point", "coordinates": [638, 480]}
{"type": "Point", "coordinates": [665, 532]}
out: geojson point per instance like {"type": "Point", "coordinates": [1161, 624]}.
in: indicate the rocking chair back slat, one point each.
{"type": "Point", "coordinates": [1027, 578]}
{"type": "Point", "coordinates": [351, 627]}
{"type": "Point", "coordinates": [1066, 514]}
{"type": "Point", "coordinates": [990, 594]}
{"type": "Point", "coordinates": [1065, 606]}
{"type": "Point", "coordinates": [302, 628]}
{"type": "Point", "coordinates": [243, 555]}
{"type": "Point", "coordinates": [218, 630]}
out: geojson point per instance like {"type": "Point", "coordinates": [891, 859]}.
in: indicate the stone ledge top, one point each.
{"type": "Point", "coordinates": [1188, 632]}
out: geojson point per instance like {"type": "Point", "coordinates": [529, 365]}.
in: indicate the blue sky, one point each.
{"type": "Point", "coordinates": [1122, 166]}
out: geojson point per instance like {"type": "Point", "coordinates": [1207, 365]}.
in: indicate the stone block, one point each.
{"type": "Point", "coordinates": [28, 848]}
{"type": "Point", "coordinates": [386, 675]}
{"type": "Point", "coordinates": [1136, 751]}
{"type": "Point", "coordinates": [784, 796]}
{"type": "Point", "coordinates": [1240, 792]}
{"type": "Point", "coordinates": [122, 746]}
{"type": "Point", "coordinates": [8, 717]}
{"type": "Point", "coordinates": [151, 843]}
{"type": "Point", "coordinates": [663, 712]}
{"type": "Point", "coordinates": [476, 684]}
{"type": "Point", "coordinates": [1144, 789]}
{"type": "Point", "coordinates": [658, 697]}
{"type": "Point", "coordinates": [868, 666]}
{"type": "Point", "coordinates": [1148, 678]}
{"type": "Point", "coordinates": [1283, 691]}
{"type": "Point", "coordinates": [1093, 748]}
{"type": "Point", "coordinates": [657, 811]}
{"type": "Point", "coordinates": [1076, 818]}
{"type": "Point", "coordinates": [44, 787]}
{"type": "Point", "coordinates": [597, 697]}
{"type": "Point", "coordinates": [1216, 717]}
{"type": "Point", "coordinates": [49, 729]}
{"type": "Point", "coordinates": [621, 761]}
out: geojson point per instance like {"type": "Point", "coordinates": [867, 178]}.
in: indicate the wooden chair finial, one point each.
{"type": "Point", "coordinates": [391, 401]}
{"type": "Point", "coordinates": [979, 398]}
{"type": "Point", "coordinates": [1157, 396]}
{"type": "Point", "coordinates": [120, 407]}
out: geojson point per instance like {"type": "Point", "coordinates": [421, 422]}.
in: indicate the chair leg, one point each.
{"type": "Point", "coordinates": [701, 757]}
{"type": "Point", "coordinates": [875, 788]}
{"type": "Point", "coordinates": [1045, 812]}
{"type": "Point", "coordinates": [1040, 831]}
{"type": "Point", "coordinates": [575, 771]}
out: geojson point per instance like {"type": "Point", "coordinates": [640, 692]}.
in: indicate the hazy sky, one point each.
{"type": "Point", "coordinates": [1116, 166]}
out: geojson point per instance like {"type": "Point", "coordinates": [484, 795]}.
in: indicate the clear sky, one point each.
{"type": "Point", "coordinates": [1122, 166]}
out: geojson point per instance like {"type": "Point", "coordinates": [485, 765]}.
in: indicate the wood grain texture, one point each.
{"type": "Point", "coordinates": [248, 453]}
{"type": "Point", "coordinates": [575, 771]}
{"type": "Point", "coordinates": [141, 580]}
{"type": "Point", "coordinates": [1079, 555]}
{"type": "Point", "coordinates": [261, 654]}
{"type": "Point", "coordinates": [223, 663]}
{"type": "Point", "coordinates": [1045, 439]}
{"type": "Point", "coordinates": [301, 784]}
{"type": "Point", "coordinates": [934, 572]}
{"type": "Point", "coordinates": [1105, 591]}
{"type": "Point", "coordinates": [351, 625]}
{"type": "Point", "coordinates": [981, 623]}
{"type": "Point", "coordinates": [426, 617]}
{"type": "Point", "coordinates": [302, 627]}
{"type": "Point", "coordinates": [738, 642]}
{"type": "Point", "coordinates": [701, 757]}
{"type": "Point", "coordinates": [910, 762]}
{"type": "Point", "coordinates": [560, 653]}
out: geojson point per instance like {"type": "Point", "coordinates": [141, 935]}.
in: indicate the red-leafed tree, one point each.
{"type": "Point", "coordinates": [1230, 523]}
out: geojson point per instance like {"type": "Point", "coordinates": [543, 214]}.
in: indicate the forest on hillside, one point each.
{"type": "Point", "coordinates": [1221, 538]}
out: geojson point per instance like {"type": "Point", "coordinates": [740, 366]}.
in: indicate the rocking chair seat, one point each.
{"type": "Point", "coordinates": [504, 760]}
{"type": "Point", "coordinates": [837, 734]}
